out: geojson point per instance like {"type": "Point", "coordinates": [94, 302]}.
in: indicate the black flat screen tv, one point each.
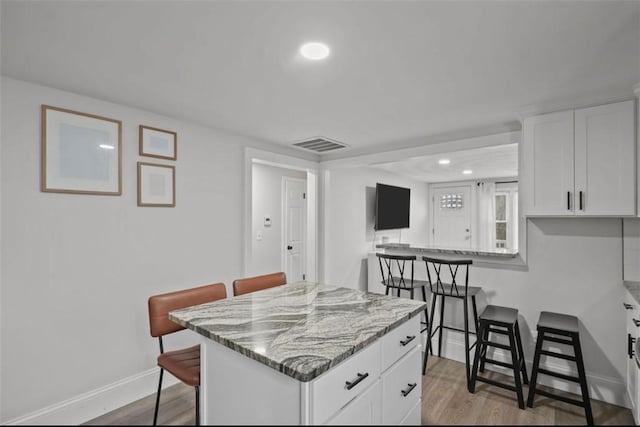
{"type": "Point", "coordinates": [392, 207]}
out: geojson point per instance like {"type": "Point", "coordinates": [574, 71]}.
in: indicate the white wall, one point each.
{"type": "Point", "coordinates": [267, 201]}
{"type": "Point", "coordinates": [77, 269]}
{"type": "Point", "coordinates": [349, 197]}
{"type": "Point", "coordinates": [632, 249]}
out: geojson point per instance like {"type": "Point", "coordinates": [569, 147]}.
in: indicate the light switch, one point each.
{"type": "Point", "coordinates": [267, 221]}
{"type": "Point", "coordinates": [259, 235]}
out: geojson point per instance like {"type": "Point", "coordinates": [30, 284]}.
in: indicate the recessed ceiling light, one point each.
{"type": "Point", "coordinates": [314, 51]}
{"type": "Point", "coordinates": [467, 172]}
{"type": "Point", "coordinates": [444, 161]}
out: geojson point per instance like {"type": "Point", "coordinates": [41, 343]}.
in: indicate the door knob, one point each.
{"type": "Point", "coordinates": [289, 247]}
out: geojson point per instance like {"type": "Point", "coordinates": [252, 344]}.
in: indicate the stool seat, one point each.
{"type": "Point", "coordinates": [561, 322]}
{"type": "Point", "coordinates": [499, 314]}
{"type": "Point", "coordinates": [448, 291]}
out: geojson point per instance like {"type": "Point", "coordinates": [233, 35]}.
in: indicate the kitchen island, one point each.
{"type": "Point", "coordinates": [308, 353]}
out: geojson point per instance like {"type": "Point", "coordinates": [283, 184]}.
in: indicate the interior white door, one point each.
{"type": "Point", "coordinates": [452, 216]}
{"type": "Point", "coordinates": [605, 159]}
{"type": "Point", "coordinates": [294, 228]}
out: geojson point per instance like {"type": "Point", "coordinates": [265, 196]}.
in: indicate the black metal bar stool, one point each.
{"type": "Point", "coordinates": [550, 326]}
{"type": "Point", "coordinates": [397, 280]}
{"type": "Point", "coordinates": [503, 321]}
{"type": "Point", "coordinates": [452, 290]}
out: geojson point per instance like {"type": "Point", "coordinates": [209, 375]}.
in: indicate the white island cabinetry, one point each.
{"type": "Point", "coordinates": [309, 354]}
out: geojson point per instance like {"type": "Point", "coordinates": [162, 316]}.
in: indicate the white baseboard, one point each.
{"type": "Point", "coordinates": [606, 389]}
{"type": "Point", "coordinates": [87, 406]}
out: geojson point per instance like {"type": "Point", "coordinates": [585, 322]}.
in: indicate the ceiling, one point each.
{"type": "Point", "coordinates": [398, 71]}
{"type": "Point", "coordinates": [499, 161]}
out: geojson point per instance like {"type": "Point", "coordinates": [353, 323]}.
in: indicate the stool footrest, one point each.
{"type": "Point", "coordinates": [498, 345]}
{"type": "Point", "coordinates": [558, 340]}
{"type": "Point", "coordinates": [557, 375]}
{"type": "Point", "coordinates": [499, 363]}
{"type": "Point", "coordinates": [499, 331]}
{"type": "Point", "coordinates": [558, 355]}
{"type": "Point", "coordinates": [558, 397]}
{"type": "Point", "coordinates": [496, 383]}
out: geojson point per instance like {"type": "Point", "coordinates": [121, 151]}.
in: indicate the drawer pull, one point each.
{"type": "Point", "coordinates": [409, 389]}
{"type": "Point", "coordinates": [352, 384]}
{"type": "Point", "coordinates": [408, 340]}
{"type": "Point", "coordinates": [636, 322]}
{"type": "Point", "coordinates": [627, 306]}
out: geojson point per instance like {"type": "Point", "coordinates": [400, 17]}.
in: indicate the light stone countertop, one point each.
{"type": "Point", "coordinates": [301, 329]}
{"type": "Point", "coordinates": [503, 253]}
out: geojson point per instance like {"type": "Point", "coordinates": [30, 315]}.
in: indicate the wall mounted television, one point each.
{"type": "Point", "coordinates": [392, 207]}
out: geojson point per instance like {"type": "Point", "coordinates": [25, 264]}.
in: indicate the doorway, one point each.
{"type": "Point", "coordinates": [274, 221]}
{"type": "Point", "coordinates": [452, 216]}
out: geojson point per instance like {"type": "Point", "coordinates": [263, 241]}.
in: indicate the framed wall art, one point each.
{"type": "Point", "coordinates": [158, 143]}
{"type": "Point", "coordinates": [81, 153]}
{"type": "Point", "coordinates": [156, 185]}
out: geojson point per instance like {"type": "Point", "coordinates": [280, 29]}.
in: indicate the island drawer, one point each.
{"type": "Point", "coordinates": [337, 387]}
{"type": "Point", "coordinates": [401, 388]}
{"type": "Point", "coordinates": [400, 341]}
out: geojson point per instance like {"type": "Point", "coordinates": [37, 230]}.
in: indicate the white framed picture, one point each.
{"type": "Point", "coordinates": [156, 185]}
{"type": "Point", "coordinates": [159, 143]}
{"type": "Point", "coordinates": [81, 153]}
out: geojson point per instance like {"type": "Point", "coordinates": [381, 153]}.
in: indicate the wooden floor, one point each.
{"type": "Point", "coordinates": [445, 400]}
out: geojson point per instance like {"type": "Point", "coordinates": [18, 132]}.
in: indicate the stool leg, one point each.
{"type": "Point", "coordinates": [476, 358]}
{"type": "Point", "coordinates": [516, 367]}
{"type": "Point", "coordinates": [430, 327]}
{"type": "Point", "coordinates": [475, 314]}
{"type": "Point", "coordinates": [155, 412]}
{"type": "Point", "coordinates": [441, 323]}
{"type": "Point", "coordinates": [583, 378]}
{"type": "Point", "coordinates": [426, 316]}
{"type": "Point", "coordinates": [485, 338]}
{"type": "Point", "coordinates": [467, 365]}
{"type": "Point", "coordinates": [197, 405]}
{"type": "Point", "coordinates": [521, 359]}
{"type": "Point", "coordinates": [534, 369]}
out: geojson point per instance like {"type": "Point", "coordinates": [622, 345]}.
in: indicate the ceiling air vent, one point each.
{"type": "Point", "coordinates": [319, 144]}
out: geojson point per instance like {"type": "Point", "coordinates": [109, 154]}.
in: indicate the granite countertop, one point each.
{"type": "Point", "coordinates": [504, 253]}
{"type": "Point", "coordinates": [301, 329]}
{"type": "Point", "coordinates": [634, 289]}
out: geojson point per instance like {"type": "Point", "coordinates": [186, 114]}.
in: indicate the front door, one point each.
{"type": "Point", "coordinates": [452, 216]}
{"type": "Point", "coordinates": [294, 228]}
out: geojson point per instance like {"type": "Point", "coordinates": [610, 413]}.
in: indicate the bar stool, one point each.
{"type": "Point", "coordinates": [396, 280]}
{"type": "Point", "coordinates": [550, 324]}
{"type": "Point", "coordinates": [452, 290]}
{"type": "Point", "coordinates": [503, 321]}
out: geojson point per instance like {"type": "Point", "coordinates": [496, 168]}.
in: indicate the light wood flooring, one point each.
{"type": "Point", "coordinates": [445, 400]}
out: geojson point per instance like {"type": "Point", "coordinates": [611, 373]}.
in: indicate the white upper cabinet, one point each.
{"type": "Point", "coordinates": [581, 162]}
{"type": "Point", "coordinates": [548, 158]}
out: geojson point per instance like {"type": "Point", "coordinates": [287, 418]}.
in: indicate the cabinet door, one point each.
{"type": "Point", "coordinates": [363, 410]}
{"type": "Point", "coordinates": [548, 164]}
{"type": "Point", "coordinates": [605, 160]}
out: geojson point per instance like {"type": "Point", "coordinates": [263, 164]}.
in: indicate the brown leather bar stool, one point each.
{"type": "Point", "coordinates": [184, 364]}
{"type": "Point", "coordinates": [451, 290]}
{"type": "Point", "coordinates": [257, 283]}
{"type": "Point", "coordinates": [503, 321]}
{"type": "Point", "coordinates": [393, 269]}
{"type": "Point", "coordinates": [562, 329]}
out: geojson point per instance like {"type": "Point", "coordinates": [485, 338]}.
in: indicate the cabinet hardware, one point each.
{"type": "Point", "coordinates": [409, 389]}
{"type": "Point", "coordinates": [352, 384]}
{"type": "Point", "coordinates": [408, 340]}
{"type": "Point", "coordinates": [630, 342]}
{"type": "Point", "coordinates": [289, 247]}
{"type": "Point", "coordinates": [636, 322]}
{"type": "Point", "coordinates": [627, 306]}
{"type": "Point", "coordinates": [568, 200]}
{"type": "Point", "coordinates": [581, 201]}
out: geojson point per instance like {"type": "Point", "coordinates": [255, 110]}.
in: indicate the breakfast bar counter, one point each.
{"type": "Point", "coordinates": [308, 353]}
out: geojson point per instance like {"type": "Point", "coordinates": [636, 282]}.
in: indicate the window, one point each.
{"type": "Point", "coordinates": [451, 201]}
{"type": "Point", "coordinates": [506, 215]}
